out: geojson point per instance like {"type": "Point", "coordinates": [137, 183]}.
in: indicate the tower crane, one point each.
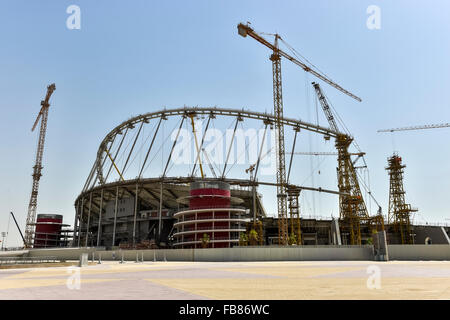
{"type": "Point", "coordinates": [352, 207]}
{"type": "Point", "coordinates": [43, 116]}
{"type": "Point", "coordinates": [427, 126]}
{"type": "Point", "coordinates": [275, 57]}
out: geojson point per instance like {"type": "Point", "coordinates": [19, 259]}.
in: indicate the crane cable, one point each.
{"type": "Point", "coordinates": [245, 152]}
{"type": "Point", "coordinates": [161, 146]}
{"type": "Point", "coordinates": [299, 56]}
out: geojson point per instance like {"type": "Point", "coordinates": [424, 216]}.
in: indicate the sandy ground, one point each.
{"type": "Point", "coordinates": [232, 280]}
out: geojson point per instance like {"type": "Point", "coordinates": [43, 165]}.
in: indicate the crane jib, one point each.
{"type": "Point", "coordinates": [245, 30]}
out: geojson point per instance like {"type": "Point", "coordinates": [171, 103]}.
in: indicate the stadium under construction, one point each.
{"type": "Point", "coordinates": [130, 201]}
{"type": "Point", "coordinates": [217, 212]}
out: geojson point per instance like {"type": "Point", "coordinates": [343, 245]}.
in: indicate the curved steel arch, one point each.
{"type": "Point", "coordinates": [185, 111]}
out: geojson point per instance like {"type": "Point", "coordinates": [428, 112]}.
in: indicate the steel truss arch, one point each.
{"type": "Point", "coordinates": [105, 146]}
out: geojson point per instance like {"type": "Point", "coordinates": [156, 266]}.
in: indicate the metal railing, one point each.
{"type": "Point", "coordinates": [429, 224]}
{"type": "Point", "coordinates": [211, 217]}
{"type": "Point", "coordinates": [212, 207]}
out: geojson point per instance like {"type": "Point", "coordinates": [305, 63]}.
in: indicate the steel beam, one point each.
{"type": "Point", "coordinates": [99, 230]}
{"type": "Point", "coordinates": [89, 218]}
{"type": "Point", "coordinates": [210, 112]}
{"type": "Point", "coordinates": [115, 217]}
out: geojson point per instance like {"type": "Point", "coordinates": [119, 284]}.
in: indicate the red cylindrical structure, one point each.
{"type": "Point", "coordinates": [48, 230]}
{"type": "Point", "coordinates": [210, 220]}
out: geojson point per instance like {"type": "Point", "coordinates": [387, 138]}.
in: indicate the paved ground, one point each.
{"type": "Point", "coordinates": [232, 280]}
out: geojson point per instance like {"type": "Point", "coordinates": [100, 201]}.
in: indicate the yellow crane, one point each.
{"type": "Point", "coordinates": [399, 211]}
{"type": "Point", "coordinates": [245, 30]}
{"type": "Point", "coordinates": [352, 208]}
{"type": "Point", "coordinates": [37, 168]}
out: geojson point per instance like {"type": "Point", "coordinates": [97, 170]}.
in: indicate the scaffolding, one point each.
{"type": "Point", "coordinates": [294, 213]}
{"type": "Point", "coordinates": [399, 211]}
{"type": "Point", "coordinates": [351, 203]}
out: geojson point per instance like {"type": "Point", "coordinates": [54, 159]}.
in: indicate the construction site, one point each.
{"type": "Point", "coordinates": [209, 204]}
{"type": "Point", "coordinates": [224, 150]}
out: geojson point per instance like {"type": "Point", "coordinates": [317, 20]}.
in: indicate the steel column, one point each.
{"type": "Point", "coordinates": [80, 220]}
{"type": "Point", "coordinates": [89, 218]}
{"type": "Point", "coordinates": [115, 217]}
{"type": "Point", "coordinates": [99, 230]}
{"type": "Point", "coordinates": [135, 214]}
{"type": "Point", "coordinates": [75, 223]}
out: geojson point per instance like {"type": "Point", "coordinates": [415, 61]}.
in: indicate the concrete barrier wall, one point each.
{"type": "Point", "coordinates": [16, 253]}
{"type": "Point", "coordinates": [284, 254]}
{"type": "Point", "coordinates": [62, 253]}
{"type": "Point", "coordinates": [419, 252]}
{"type": "Point", "coordinates": [300, 253]}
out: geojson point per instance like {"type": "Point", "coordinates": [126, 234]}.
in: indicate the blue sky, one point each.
{"type": "Point", "coordinates": [138, 56]}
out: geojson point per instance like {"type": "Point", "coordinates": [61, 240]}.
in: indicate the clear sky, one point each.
{"type": "Point", "coordinates": [132, 57]}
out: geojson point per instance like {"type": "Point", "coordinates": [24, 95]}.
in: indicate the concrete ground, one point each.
{"type": "Point", "coordinates": [232, 280]}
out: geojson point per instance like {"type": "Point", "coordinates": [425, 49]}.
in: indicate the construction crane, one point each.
{"type": "Point", "coordinates": [427, 126]}
{"type": "Point", "coordinates": [245, 30]}
{"type": "Point", "coordinates": [352, 208]}
{"type": "Point", "coordinates": [43, 116]}
{"type": "Point", "coordinates": [275, 57]}
{"type": "Point", "coordinates": [399, 214]}
{"type": "Point", "coordinates": [325, 107]}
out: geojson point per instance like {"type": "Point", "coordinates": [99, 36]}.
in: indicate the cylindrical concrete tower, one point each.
{"type": "Point", "coordinates": [48, 230]}
{"type": "Point", "coordinates": [211, 221]}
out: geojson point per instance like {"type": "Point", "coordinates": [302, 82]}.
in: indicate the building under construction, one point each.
{"type": "Point", "coordinates": [218, 211]}
{"type": "Point", "coordinates": [135, 221]}
{"type": "Point", "coordinates": [133, 196]}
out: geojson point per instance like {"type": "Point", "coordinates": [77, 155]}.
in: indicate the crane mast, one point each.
{"type": "Point", "coordinates": [352, 208]}
{"type": "Point", "coordinates": [37, 168]}
{"type": "Point", "coordinates": [280, 153]}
